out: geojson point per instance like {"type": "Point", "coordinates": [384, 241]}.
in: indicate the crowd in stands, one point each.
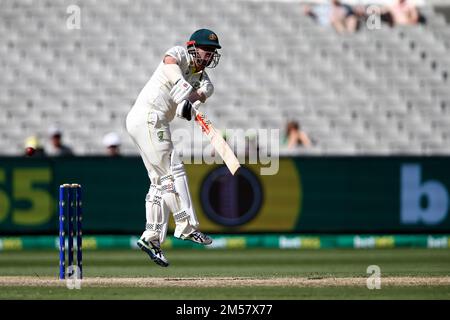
{"type": "Point", "coordinates": [55, 147]}
{"type": "Point", "coordinates": [348, 19]}
{"type": "Point", "coordinates": [344, 18]}
{"type": "Point", "coordinates": [295, 137]}
{"type": "Point", "coordinates": [335, 14]}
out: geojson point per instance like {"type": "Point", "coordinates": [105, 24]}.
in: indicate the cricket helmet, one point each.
{"type": "Point", "coordinates": [206, 39]}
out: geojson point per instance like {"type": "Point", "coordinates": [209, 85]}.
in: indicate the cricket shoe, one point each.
{"type": "Point", "coordinates": [153, 249]}
{"type": "Point", "coordinates": [198, 237]}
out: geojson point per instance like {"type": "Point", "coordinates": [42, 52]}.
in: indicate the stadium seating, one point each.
{"type": "Point", "coordinates": [374, 92]}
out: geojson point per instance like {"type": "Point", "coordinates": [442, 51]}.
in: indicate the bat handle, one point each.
{"type": "Point", "coordinates": [196, 105]}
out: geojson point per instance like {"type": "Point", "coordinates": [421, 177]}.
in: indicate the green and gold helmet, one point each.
{"type": "Point", "coordinates": [208, 41]}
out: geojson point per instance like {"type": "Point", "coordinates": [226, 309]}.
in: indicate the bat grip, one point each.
{"type": "Point", "coordinates": [196, 105]}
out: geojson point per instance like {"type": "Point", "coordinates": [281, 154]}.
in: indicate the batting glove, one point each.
{"type": "Point", "coordinates": [180, 90]}
{"type": "Point", "coordinates": [185, 110]}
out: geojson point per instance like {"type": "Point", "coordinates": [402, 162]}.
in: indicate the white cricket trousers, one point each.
{"type": "Point", "coordinates": [150, 132]}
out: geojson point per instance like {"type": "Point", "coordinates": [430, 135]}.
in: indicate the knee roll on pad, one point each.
{"type": "Point", "coordinates": [168, 193]}
{"type": "Point", "coordinates": [167, 185]}
{"type": "Point", "coordinates": [156, 214]}
{"type": "Point", "coordinates": [151, 193]}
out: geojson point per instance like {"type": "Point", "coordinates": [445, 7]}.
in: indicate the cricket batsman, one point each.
{"type": "Point", "coordinates": [179, 80]}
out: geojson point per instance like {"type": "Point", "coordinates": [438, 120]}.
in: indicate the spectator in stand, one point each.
{"type": "Point", "coordinates": [295, 137]}
{"type": "Point", "coordinates": [403, 12]}
{"type": "Point", "coordinates": [56, 147]}
{"type": "Point", "coordinates": [340, 16]}
{"type": "Point", "coordinates": [112, 143]}
{"type": "Point", "coordinates": [319, 13]}
{"type": "Point", "coordinates": [343, 19]}
{"type": "Point", "coordinates": [37, 149]}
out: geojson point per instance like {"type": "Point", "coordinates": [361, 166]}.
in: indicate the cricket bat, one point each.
{"type": "Point", "coordinates": [216, 140]}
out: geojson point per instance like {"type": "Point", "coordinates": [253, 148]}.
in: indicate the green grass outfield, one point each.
{"type": "Point", "coordinates": [231, 274]}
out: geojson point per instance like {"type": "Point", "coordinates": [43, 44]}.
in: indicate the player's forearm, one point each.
{"type": "Point", "coordinates": [197, 95]}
